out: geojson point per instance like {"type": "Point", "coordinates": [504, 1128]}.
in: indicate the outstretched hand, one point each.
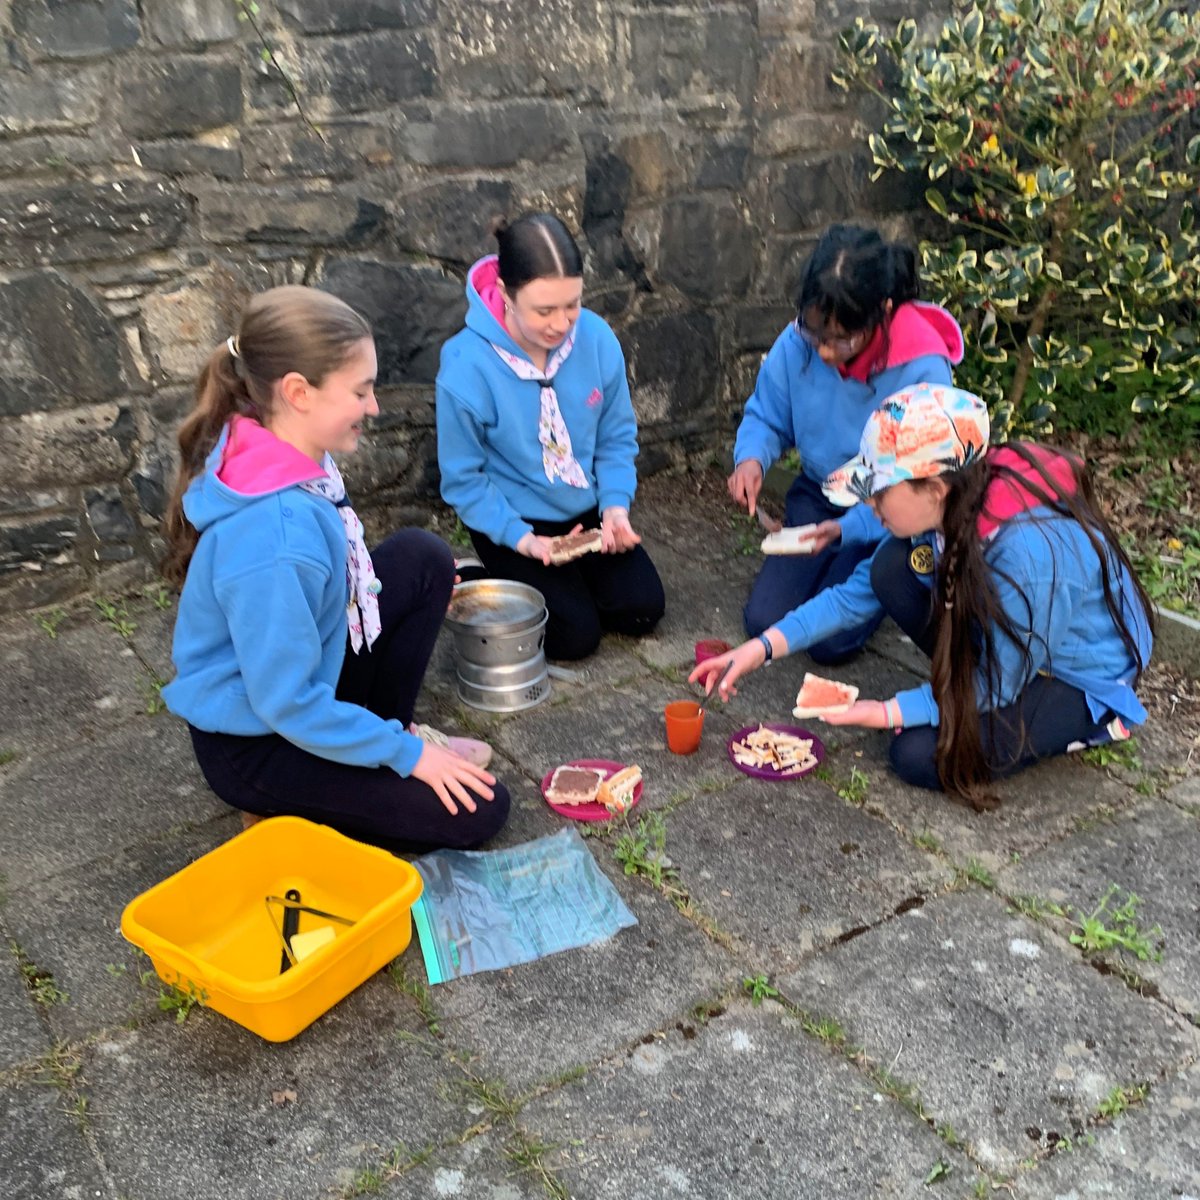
{"type": "Point", "coordinates": [747, 657]}
{"type": "Point", "coordinates": [452, 778]}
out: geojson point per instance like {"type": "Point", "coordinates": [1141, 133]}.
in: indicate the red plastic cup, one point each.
{"type": "Point", "coordinates": [710, 648]}
{"type": "Point", "coordinates": [685, 723]}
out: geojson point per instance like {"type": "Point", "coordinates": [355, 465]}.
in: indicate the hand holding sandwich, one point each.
{"type": "Point", "coordinates": [540, 548]}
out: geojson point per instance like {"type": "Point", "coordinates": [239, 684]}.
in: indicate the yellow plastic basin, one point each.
{"type": "Point", "coordinates": [208, 929]}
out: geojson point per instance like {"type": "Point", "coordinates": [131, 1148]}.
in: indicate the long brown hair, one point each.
{"type": "Point", "coordinates": [968, 611]}
{"type": "Point", "coordinates": [282, 330]}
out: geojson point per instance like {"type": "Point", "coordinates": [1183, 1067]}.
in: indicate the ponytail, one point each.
{"type": "Point", "coordinates": [221, 393]}
{"type": "Point", "coordinates": [282, 330]}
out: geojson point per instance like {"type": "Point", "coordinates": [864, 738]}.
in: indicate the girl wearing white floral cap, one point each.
{"type": "Point", "coordinates": [1000, 566]}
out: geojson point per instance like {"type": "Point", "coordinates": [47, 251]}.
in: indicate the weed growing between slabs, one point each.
{"type": "Point", "coordinates": [641, 850]}
{"type": "Point", "coordinates": [40, 982]}
{"type": "Point", "coordinates": [1105, 928]}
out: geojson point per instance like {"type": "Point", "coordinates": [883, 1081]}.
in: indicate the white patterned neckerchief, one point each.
{"type": "Point", "coordinates": [558, 460]}
{"type": "Point", "coordinates": [362, 608]}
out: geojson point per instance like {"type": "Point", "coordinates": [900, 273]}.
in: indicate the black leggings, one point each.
{"type": "Point", "coordinates": [268, 775]}
{"type": "Point", "coordinates": [598, 593]}
{"type": "Point", "coordinates": [1046, 718]}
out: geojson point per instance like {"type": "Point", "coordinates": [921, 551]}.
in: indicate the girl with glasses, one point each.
{"type": "Point", "coordinates": [860, 334]}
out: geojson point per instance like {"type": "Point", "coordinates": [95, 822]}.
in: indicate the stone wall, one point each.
{"type": "Point", "coordinates": [155, 169]}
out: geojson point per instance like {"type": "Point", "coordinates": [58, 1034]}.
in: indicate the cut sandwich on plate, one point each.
{"type": "Point", "coordinates": [792, 539]}
{"type": "Point", "coordinates": [818, 696]}
{"type": "Point", "coordinates": [616, 792]}
{"type": "Point", "coordinates": [574, 545]}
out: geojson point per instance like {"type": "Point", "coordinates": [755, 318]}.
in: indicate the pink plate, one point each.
{"type": "Point", "coordinates": [595, 811]}
{"type": "Point", "coordinates": [768, 772]}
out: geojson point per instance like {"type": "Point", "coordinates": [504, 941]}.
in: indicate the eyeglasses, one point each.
{"type": "Point", "coordinates": [839, 345]}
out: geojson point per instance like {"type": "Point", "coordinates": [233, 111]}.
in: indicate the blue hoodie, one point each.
{"type": "Point", "coordinates": [487, 423]}
{"type": "Point", "coordinates": [1055, 600]}
{"type": "Point", "coordinates": [261, 632]}
{"type": "Point", "coordinates": [801, 402]}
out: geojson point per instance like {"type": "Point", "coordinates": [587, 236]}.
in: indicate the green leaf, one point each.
{"type": "Point", "coordinates": [1110, 174]}
{"type": "Point", "coordinates": [1192, 152]}
{"type": "Point", "coordinates": [265, 54]}
{"type": "Point", "coordinates": [972, 27]}
{"type": "Point", "coordinates": [1087, 14]}
{"type": "Point", "coordinates": [937, 202]}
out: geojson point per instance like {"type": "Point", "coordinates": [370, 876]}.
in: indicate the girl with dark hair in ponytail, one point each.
{"type": "Point", "coordinates": [860, 334]}
{"type": "Point", "coordinates": [537, 438]}
{"type": "Point", "coordinates": [1000, 566]}
{"type": "Point", "coordinates": [298, 653]}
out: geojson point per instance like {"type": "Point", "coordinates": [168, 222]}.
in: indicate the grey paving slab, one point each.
{"type": "Point", "coordinates": [43, 1153]}
{"type": "Point", "coordinates": [181, 1111]}
{"type": "Point", "coordinates": [787, 866]}
{"type": "Point", "coordinates": [1005, 1033]}
{"type": "Point", "coordinates": [1038, 806]}
{"type": "Point", "coordinates": [889, 642]}
{"type": "Point", "coordinates": [22, 1035]}
{"type": "Point", "coordinates": [479, 1169]}
{"type": "Point", "coordinates": [626, 725]}
{"type": "Point", "coordinates": [529, 816]}
{"type": "Point", "coordinates": [701, 603]}
{"type": "Point", "coordinates": [532, 1022]}
{"type": "Point", "coordinates": [94, 798]}
{"type": "Point", "coordinates": [1078, 873]}
{"type": "Point", "coordinates": [1150, 1152]}
{"type": "Point", "coordinates": [73, 687]}
{"type": "Point", "coordinates": [1186, 795]}
{"type": "Point", "coordinates": [154, 629]}
{"type": "Point", "coordinates": [714, 1111]}
{"type": "Point", "coordinates": [69, 924]}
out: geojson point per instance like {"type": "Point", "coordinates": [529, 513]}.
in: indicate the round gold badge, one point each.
{"type": "Point", "coordinates": [921, 559]}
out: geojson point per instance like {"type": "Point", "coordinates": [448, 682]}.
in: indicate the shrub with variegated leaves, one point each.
{"type": "Point", "coordinates": [1057, 139]}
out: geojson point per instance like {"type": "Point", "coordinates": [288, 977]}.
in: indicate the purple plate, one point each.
{"type": "Point", "coordinates": [818, 751]}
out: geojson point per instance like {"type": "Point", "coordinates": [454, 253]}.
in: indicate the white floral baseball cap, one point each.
{"type": "Point", "coordinates": [921, 431]}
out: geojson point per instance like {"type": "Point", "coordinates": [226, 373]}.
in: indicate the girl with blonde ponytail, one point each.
{"type": "Point", "coordinates": [299, 653]}
{"type": "Point", "coordinates": [1000, 566]}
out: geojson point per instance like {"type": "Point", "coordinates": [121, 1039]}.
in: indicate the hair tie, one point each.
{"type": "Point", "coordinates": [231, 344]}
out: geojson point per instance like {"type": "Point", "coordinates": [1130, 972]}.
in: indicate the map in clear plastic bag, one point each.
{"type": "Point", "coordinates": [482, 910]}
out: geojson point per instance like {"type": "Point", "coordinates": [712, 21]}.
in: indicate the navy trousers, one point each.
{"type": "Point", "coordinates": [595, 594]}
{"type": "Point", "coordinates": [787, 581]}
{"type": "Point", "coordinates": [1046, 718]}
{"type": "Point", "coordinates": [269, 776]}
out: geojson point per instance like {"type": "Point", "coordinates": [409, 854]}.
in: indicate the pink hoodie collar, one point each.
{"type": "Point", "coordinates": [255, 462]}
{"type": "Point", "coordinates": [485, 279]}
{"type": "Point", "coordinates": [915, 330]}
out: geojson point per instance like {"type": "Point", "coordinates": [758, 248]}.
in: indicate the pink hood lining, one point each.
{"type": "Point", "coordinates": [485, 279]}
{"type": "Point", "coordinates": [1008, 496]}
{"type": "Point", "coordinates": [255, 462]}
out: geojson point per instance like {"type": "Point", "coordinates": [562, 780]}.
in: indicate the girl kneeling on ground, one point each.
{"type": "Point", "coordinates": [859, 335]}
{"type": "Point", "coordinates": [298, 654]}
{"type": "Point", "coordinates": [537, 438]}
{"type": "Point", "coordinates": [999, 566]}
